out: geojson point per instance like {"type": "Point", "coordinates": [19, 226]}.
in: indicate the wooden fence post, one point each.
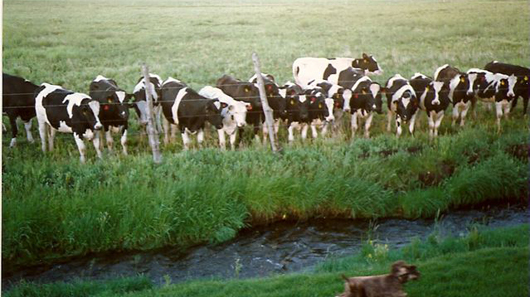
{"type": "Point", "coordinates": [152, 132]}
{"type": "Point", "coordinates": [269, 120]}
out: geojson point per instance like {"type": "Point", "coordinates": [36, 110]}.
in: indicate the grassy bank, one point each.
{"type": "Point", "coordinates": [53, 207]}
{"type": "Point", "coordinates": [484, 263]}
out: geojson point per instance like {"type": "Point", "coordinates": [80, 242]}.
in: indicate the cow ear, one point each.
{"type": "Point", "coordinates": [224, 105]}
{"type": "Point", "coordinates": [365, 56]}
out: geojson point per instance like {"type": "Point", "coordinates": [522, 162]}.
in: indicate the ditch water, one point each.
{"type": "Point", "coordinates": [281, 247]}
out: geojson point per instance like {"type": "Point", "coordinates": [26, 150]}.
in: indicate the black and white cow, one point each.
{"type": "Point", "coordinates": [184, 107]}
{"type": "Point", "coordinates": [65, 111]}
{"type": "Point", "coordinates": [304, 111]}
{"type": "Point", "coordinates": [365, 99]}
{"type": "Point", "coordinates": [402, 102]}
{"type": "Point", "coordinates": [114, 108]}
{"type": "Point", "coordinates": [275, 100]}
{"type": "Point", "coordinates": [434, 99]}
{"type": "Point", "coordinates": [308, 69]}
{"type": "Point", "coordinates": [18, 100]}
{"type": "Point", "coordinates": [461, 91]}
{"type": "Point", "coordinates": [494, 87]}
{"type": "Point", "coordinates": [246, 92]}
{"type": "Point", "coordinates": [522, 87]}
{"type": "Point", "coordinates": [234, 114]}
{"type": "Point", "coordinates": [140, 101]}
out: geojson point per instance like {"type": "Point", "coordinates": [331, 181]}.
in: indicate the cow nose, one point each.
{"type": "Point", "coordinates": [242, 124]}
{"type": "Point", "coordinates": [98, 126]}
{"type": "Point", "coordinates": [330, 119]}
{"type": "Point", "coordinates": [219, 126]}
{"type": "Point", "coordinates": [347, 109]}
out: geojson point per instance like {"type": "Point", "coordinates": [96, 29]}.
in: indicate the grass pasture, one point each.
{"type": "Point", "coordinates": [54, 207]}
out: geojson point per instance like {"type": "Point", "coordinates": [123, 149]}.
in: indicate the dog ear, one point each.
{"type": "Point", "coordinates": [344, 277]}
{"type": "Point", "coordinates": [396, 267]}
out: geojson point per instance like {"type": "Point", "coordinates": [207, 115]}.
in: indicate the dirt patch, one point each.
{"type": "Point", "coordinates": [430, 179]}
{"type": "Point", "coordinates": [520, 151]}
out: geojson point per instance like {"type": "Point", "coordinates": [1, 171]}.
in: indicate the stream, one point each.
{"type": "Point", "coordinates": [281, 247]}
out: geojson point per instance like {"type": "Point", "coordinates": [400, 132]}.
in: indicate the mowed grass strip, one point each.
{"type": "Point", "coordinates": [484, 263]}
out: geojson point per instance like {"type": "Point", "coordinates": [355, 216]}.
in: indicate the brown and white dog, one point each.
{"type": "Point", "coordinates": [387, 285]}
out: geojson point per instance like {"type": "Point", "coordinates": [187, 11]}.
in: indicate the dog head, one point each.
{"type": "Point", "coordinates": [404, 272]}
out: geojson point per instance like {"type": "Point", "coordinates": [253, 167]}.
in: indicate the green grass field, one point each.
{"type": "Point", "coordinates": [53, 206]}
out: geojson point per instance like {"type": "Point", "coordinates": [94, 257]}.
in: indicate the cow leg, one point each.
{"type": "Point", "coordinates": [185, 139]}
{"type": "Point", "coordinates": [96, 143]}
{"type": "Point", "coordinates": [498, 109]}
{"type": "Point", "coordinates": [305, 126]}
{"type": "Point", "coordinates": [430, 118]}
{"type": "Point", "coordinates": [233, 140]}
{"type": "Point", "coordinates": [398, 125]}
{"type": "Point", "coordinates": [507, 109]}
{"type": "Point", "coordinates": [200, 137]}
{"type": "Point", "coordinates": [166, 130]}
{"type": "Point", "coordinates": [42, 132]}
{"type": "Point", "coordinates": [222, 139]}
{"type": "Point", "coordinates": [314, 131]}
{"type": "Point", "coordinates": [173, 136]}
{"type": "Point", "coordinates": [108, 137]}
{"type": "Point", "coordinates": [291, 134]}
{"type": "Point", "coordinates": [276, 126]}
{"type": "Point", "coordinates": [123, 140]}
{"type": "Point", "coordinates": [354, 125]}
{"type": "Point", "coordinates": [412, 123]}
{"type": "Point", "coordinates": [158, 115]}
{"type": "Point", "coordinates": [456, 112]}
{"type": "Point", "coordinates": [368, 125]}
{"type": "Point", "coordinates": [27, 126]}
{"type": "Point", "coordinates": [51, 138]}
{"type": "Point", "coordinates": [514, 103]}
{"type": "Point", "coordinates": [464, 112]}
{"type": "Point", "coordinates": [438, 122]}
{"type": "Point", "coordinates": [265, 132]}
{"type": "Point", "coordinates": [81, 147]}
{"type": "Point", "coordinates": [389, 117]}
{"type": "Point", "coordinates": [324, 130]}
{"type": "Point", "coordinates": [14, 130]}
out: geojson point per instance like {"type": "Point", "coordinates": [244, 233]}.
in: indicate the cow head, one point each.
{"type": "Point", "coordinates": [505, 88]}
{"type": "Point", "coordinates": [369, 64]}
{"type": "Point", "coordinates": [318, 107]}
{"type": "Point", "coordinates": [298, 107]}
{"type": "Point", "coordinates": [462, 86]}
{"type": "Point", "coordinates": [88, 112]}
{"type": "Point", "coordinates": [237, 111]}
{"type": "Point", "coordinates": [437, 95]}
{"type": "Point", "coordinates": [276, 102]}
{"type": "Point", "coordinates": [406, 105]}
{"type": "Point", "coordinates": [377, 94]}
{"type": "Point", "coordinates": [479, 82]}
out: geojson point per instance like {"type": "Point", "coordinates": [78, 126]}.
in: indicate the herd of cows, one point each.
{"type": "Point", "coordinates": [324, 89]}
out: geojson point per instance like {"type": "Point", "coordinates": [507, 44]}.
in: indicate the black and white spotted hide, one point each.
{"type": "Point", "coordinates": [522, 86]}
{"type": "Point", "coordinates": [18, 100]}
{"type": "Point", "coordinates": [184, 107]}
{"type": "Point", "coordinates": [140, 101]}
{"type": "Point", "coordinates": [461, 91]}
{"type": "Point", "coordinates": [402, 103]}
{"type": "Point", "coordinates": [114, 109]}
{"type": "Point", "coordinates": [65, 111]}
